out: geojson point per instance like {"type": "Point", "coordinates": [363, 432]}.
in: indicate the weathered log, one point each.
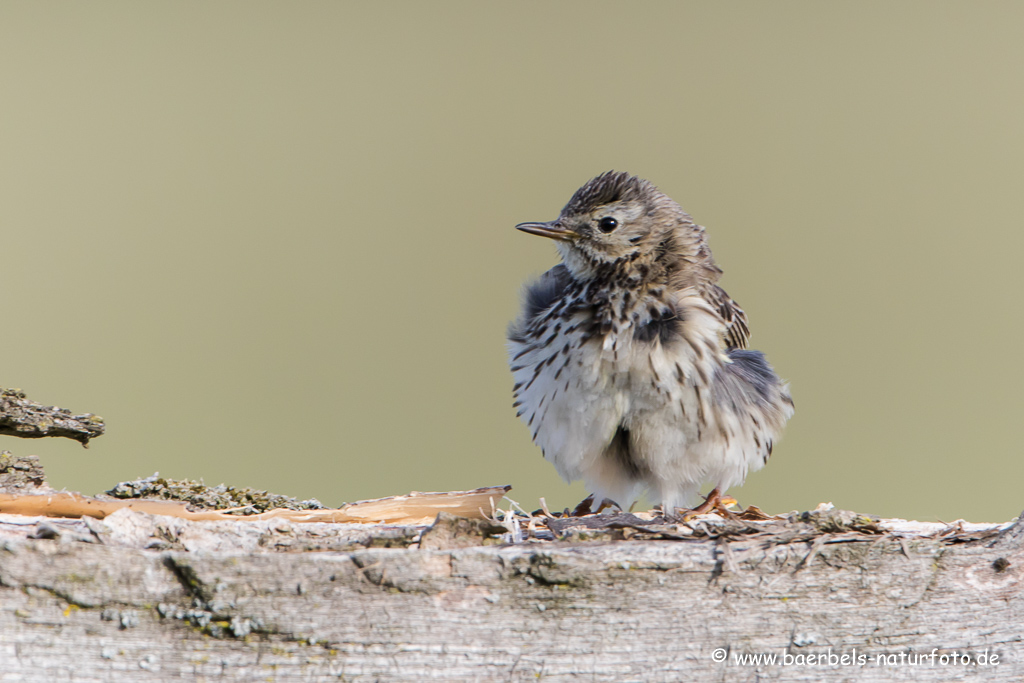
{"type": "Point", "coordinates": [151, 598]}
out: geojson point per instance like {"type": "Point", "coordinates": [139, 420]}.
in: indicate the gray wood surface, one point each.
{"type": "Point", "coordinates": [143, 598]}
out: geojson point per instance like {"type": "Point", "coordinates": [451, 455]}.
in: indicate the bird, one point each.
{"type": "Point", "coordinates": [630, 363]}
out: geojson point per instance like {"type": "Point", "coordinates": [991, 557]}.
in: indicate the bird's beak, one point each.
{"type": "Point", "coordinates": [548, 230]}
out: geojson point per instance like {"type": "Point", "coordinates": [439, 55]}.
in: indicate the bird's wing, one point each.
{"type": "Point", "coordinates": [736, 330]}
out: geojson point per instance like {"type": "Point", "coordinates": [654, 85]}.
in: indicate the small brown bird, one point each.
{"type": "Point", "coordinates": [630, 362]}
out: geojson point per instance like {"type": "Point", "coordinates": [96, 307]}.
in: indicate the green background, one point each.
{"type": "Point", "coordinates": [272, 243]}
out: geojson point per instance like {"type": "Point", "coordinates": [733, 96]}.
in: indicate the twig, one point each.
{"type": "Point", "coordinates": [30, 420]}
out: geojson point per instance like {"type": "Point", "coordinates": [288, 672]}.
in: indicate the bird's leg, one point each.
{"type": "Point", "coordinates": [714, 501]}
{"type": "Point", "coordinates": [586, 507]}
{"type": "Point", "coordinates": [710, 503]}
{"type": "Point", "coordinates": [670, 515]}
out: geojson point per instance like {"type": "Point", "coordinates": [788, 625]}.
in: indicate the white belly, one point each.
{"type": "Point", "coordinates": [575, 402]}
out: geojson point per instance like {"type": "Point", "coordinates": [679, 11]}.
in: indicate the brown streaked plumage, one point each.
{"type": "Point", "coordinates": [630, 362]}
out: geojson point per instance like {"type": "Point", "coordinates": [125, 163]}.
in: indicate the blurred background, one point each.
{"type": "Point", "coordinates": [272, 244]}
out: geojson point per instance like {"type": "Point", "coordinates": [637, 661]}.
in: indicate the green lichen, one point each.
{"type": "Point", "coordinates": [20, 473]}
{"type": "Point", "coordinates": [199, 496]}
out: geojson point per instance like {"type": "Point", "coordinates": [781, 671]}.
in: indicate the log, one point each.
{"type": "Point", "coordinates": [145, 597]}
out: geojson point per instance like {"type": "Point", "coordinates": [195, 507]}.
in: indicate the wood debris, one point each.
{"type": "Point", "coordinates": [416, 508]}
{"type": "Point", "coordinates": [241, 500]}
{"type": "Point", "coordinates": [30, 420]}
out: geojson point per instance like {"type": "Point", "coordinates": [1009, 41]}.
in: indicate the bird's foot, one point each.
{"type": "Point", "coordinates": [715, 501]}
{"type": "Point", "coordinates": [586, 507]}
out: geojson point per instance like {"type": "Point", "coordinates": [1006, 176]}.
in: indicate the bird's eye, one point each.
{"type": "Point", "coordinates": [607, 224]}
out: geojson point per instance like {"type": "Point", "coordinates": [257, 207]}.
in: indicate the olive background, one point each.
{"type": "Point", "coordinates": [272, 244]}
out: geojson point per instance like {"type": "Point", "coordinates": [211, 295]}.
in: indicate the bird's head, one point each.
{"type": "Point", "coordinates": [615, 219]}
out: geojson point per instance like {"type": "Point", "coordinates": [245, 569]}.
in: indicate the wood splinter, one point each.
{"type": "Point", "coordinates": [416, 508]}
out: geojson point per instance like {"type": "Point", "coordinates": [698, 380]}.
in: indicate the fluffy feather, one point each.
{"type": "Point", "coordinates": [629, 360]}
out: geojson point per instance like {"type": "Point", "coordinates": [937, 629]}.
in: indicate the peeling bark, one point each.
{"type": "Point", "coordinates": [30, 420]}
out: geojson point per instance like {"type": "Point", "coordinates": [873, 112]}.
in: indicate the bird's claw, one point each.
{"type": "Point", "coordinates": [714, 501]}
{"type": "Point", "coordinates": [586, 506]}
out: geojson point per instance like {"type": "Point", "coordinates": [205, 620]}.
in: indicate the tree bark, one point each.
{"type": "Point", "coordinates": [150, 598]}
{"type": "Point", "coordinates": [22, 417]}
